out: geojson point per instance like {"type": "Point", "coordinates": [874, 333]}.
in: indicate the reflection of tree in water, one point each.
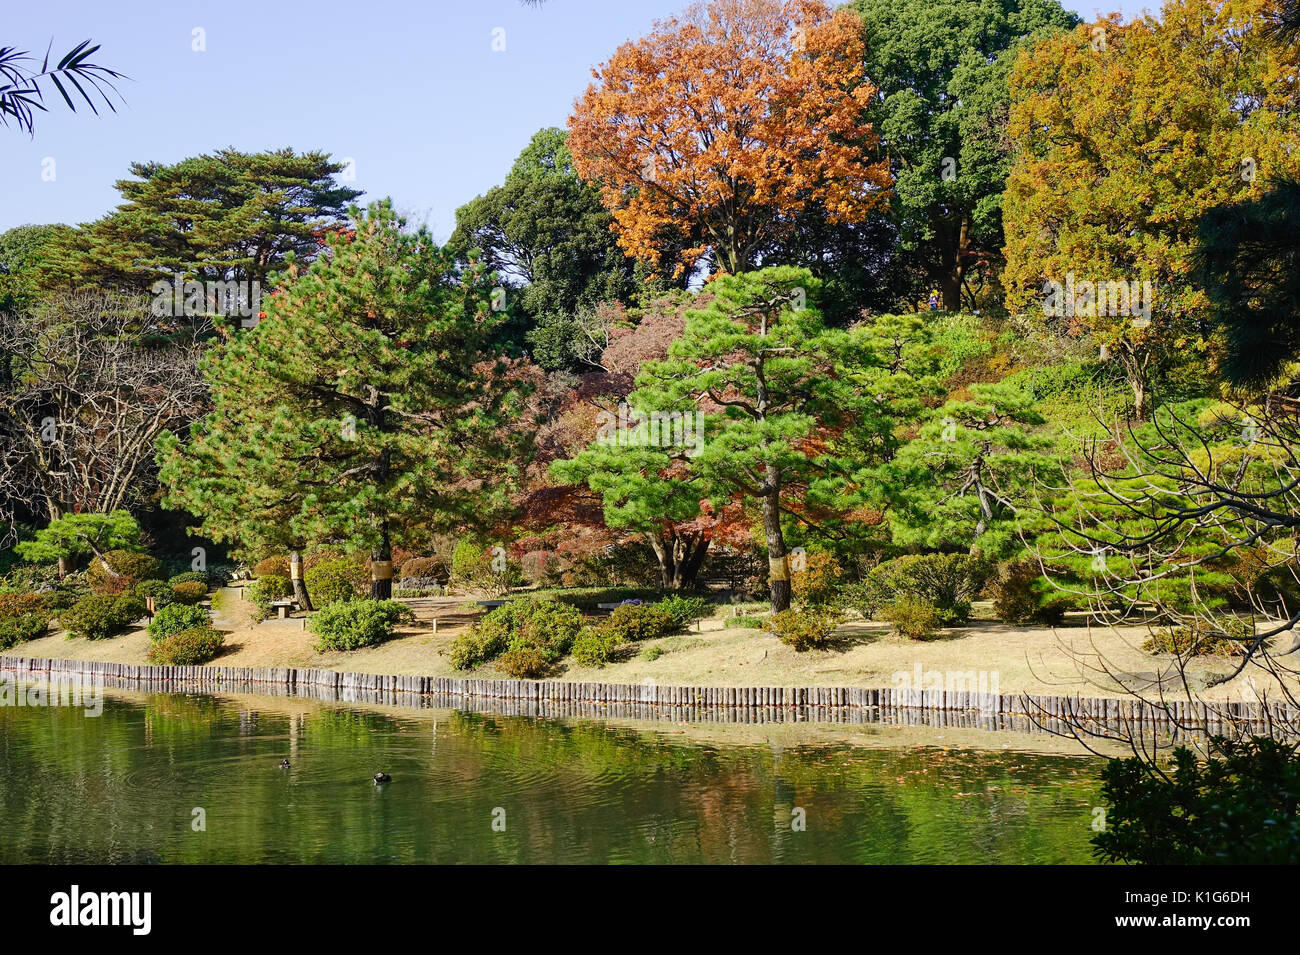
{"type": "Point", "coordinates": [572, 791]}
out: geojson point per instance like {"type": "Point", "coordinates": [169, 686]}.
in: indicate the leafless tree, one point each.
{"type": "Point", "coordinates": [88, 380]}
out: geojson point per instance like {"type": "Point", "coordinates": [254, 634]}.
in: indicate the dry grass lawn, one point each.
{"type": "Point", "coordinates": [1008, 659]}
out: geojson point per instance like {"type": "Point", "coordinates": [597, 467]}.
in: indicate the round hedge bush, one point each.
{"type": "Point", "coordinates": [160, 592]}
{"type": "Point", "coordinates": [125, 569]}
{"type": "Point", "coordinates": [542, 625]}
{"type": "Point", "coordinates": [189, 592]}
{"type": "Point", "coordinates": [186, 648]}
{"type": "Point", "coordinates": [804, 629]}
{"type": "Point", "coordinates": [353, 624]}
{"type": "Point", "coordinates": [334, 580]}
{"type": "Point", "coordinates": [635, 622]}
{"type": "Point", "coordinates": [99, 616]}
{"type": "Point", "coordinates": [174, 618]}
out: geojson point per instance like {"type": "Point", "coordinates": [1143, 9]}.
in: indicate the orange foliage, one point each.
{"type": "Point", "coordinates": [726, 122]}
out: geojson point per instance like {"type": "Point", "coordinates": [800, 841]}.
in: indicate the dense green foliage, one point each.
{"type": "Point", "coordinates": [1239, 806]}
{"type": "Point", "coordinates": [186, 648]}
{"type": "Point", "coordinates": [98, 616]}
{"type": "Point", "coordinates": [174, 618]}
{"type": "Point", "coordinates": [353, 624]}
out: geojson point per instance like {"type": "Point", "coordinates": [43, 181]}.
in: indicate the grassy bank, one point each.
{"type": "Point", "coordinates": [1060, 661]}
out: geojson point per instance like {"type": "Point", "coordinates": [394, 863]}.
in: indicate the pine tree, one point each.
{"type": "Point", "coordinates": [358, 408]}
{"type": "Point", "coordinates": [963, 478]}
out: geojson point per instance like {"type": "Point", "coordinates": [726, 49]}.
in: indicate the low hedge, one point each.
{"type": "Point", "coordinates": [190, 592]}
{"type": "Point", "coordinates": [804, 628]}
{"type": "Point", "coordinates": [186, 648]}
{"type": "Point", "coordinates": [99, 616]}
{"type": "Point", "coordinates": [174, 618]}
{"type": "Point", "coordinates": [160, 592]}
{"type": "Point", "coordinates": [545, 626]}
{"type": "Point", "coordinates": [353, 624]}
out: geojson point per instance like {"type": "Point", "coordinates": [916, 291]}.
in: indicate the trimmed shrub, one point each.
{"type": "Point", "coordinates": [914, 617]}
{"type": "Point", "coordinates": [335, 580]}
{"type": "Point", "coordinates": [353, 624]}
{"type": "Point", "coordinates": [272, 567]}
{"type": "Point", "coordinates": [631, 623]}
{"type": "Point", "coordinates": [186, 648]}
{"type": "Point", "coordinates": [98, 616]}
{"type": "Point", "coordinates": [684, 610]}
{"type": "Point", "coordinates": [594, 647]}
{"type": "Point", "coordinates": [818, 582]}
{"type": "Point", "coordinates": [1200, 641]}
{"type": "Point", "coordinates": [422, 567]}
{"type": "Point", "coordinates": [174, 618]}
{"type": "Point", "coordinates": [191, 577]}
{"type": "Point", "coordinates": [948, 582]}
{"type": "Point", "coordinates": [470, 649]}
{"type": "Point", "coordinates": [22, 604]}
{"type": "Point", "coordinates": [1022, 595]}
{"type": "Point", "coordinates": [190, 592]}
{"type": "Point", "coordinates": [125, 569]}
{"type": "Point", "coordinates": [160, 592]}
{"type": "Point", "coordinates": [128, 569]}
{"type": "Point", "coordinates": [803, 629]}
{"type": "Point", "coordinates": [524, 663]}
{"type": "Point", "coordinates": [544, 625]}
{"type": "Point", "coordinates": [262, 591]}
{"type": "Point", "coordinates": [19, 628]}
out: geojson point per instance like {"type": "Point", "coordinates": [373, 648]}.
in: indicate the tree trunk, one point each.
{"type": "Point", "coordinates": [778, 566]}
{"type": "Point", "coordinates": [1135, 359]}
{"type": "Point", "coordinates": [694, 561]}
{"type": "Point", "coordinates": [300, 593]}
{"type": "Point", "coordinates": [950, 283]}
{"type": "Point", "coordinates": [381, 567]}
{"type": "Point", "coordinates": [1139, 384]}
{"type": "Point", "coordinates": [679, 557]}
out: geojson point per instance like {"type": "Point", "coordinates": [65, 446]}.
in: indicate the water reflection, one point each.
{"type": "Point", "coordinates": [123, 787]}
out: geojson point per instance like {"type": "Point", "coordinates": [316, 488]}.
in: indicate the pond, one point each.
{"type": "Point", "coordinates": [195, 778]}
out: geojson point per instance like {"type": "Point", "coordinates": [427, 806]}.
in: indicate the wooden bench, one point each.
{"type": "Point", "coordinates": [283, 607]}
{"type": "Point", "coordinates": [492, 604]}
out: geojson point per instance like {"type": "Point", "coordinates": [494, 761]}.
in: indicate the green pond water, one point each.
{"type": "Point", "coordinates": [123, 787]}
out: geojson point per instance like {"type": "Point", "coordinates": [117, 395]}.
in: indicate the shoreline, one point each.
{"type": "Point", "coordinates": [1017, 711]}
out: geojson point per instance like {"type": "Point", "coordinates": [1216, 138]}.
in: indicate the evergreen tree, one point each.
{"type": "Point", "coordinates": [356, 409]}
{"type": "Point", "coordinates": [545, 231]}
{"type": "Point", "coordinates": [963, 479]}
{"type": "Point", "coordinates": [230, 216]}
{"type": "Point", "coordinates": [767, 378]}
{"type": "Point", "coordinates": [942, 68]}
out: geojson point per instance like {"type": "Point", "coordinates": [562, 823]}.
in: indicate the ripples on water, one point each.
{"type": "Point", "coordinates": [123, 787]}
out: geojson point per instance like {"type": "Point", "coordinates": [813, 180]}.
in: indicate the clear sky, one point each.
{"type": "Point", "coordinates": [412, 91]}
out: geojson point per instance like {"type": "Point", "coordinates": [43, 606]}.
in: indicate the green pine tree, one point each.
{"type": "Point", "coordinates": [357, 410]}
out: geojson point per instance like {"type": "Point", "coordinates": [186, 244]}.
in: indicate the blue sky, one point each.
{"type": "Point", "coordinates": [412, 91]}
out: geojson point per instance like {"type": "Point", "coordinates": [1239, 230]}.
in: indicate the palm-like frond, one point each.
{"type": "Point", "coordinates": [21, 93]}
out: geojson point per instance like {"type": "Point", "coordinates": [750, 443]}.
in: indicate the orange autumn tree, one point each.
{"type": "Point", "coordinates": [709, 135]}
{"type": "Point", "coordinates": [1126, 135]}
